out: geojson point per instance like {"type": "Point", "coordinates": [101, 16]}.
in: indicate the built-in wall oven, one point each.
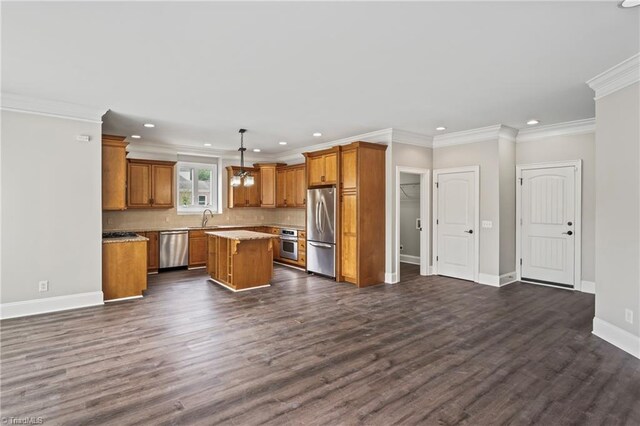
{"type": "Point", "coordinates": [289, 244]}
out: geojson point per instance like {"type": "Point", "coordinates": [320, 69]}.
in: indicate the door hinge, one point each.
{"type": "Point", "coordinates": [437, 222]}
{"type": "Point", "coordinates": [520, 261]}
{"type": "Point", "coordinates": [437, 185]}
{"type": "Point", "coordinates": [520, 181]}
{"type": "Point", "coordinates": [436, 258]}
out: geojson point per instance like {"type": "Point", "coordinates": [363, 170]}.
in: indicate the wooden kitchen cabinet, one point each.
{"type": "Point", "coordinates": [268, 183]}
{"type": "Point", "coordinates": [197, 249]}
{"type": "Point", "coordinates": [243, 196]}
{"type": "Point", "coordinates": [291, 186]}
{"type": "Point", "coordinates": [153, 251]}
{"type": "Point", "coordinates": [114, 172]}
{"type": "Point", "coordinates": [322, 167]}
{"type": "Point", "coordinates": [362, 213]}
{"type": "Point", "coordinates": [150, 184]}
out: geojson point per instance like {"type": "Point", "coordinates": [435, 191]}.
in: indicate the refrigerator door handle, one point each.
{"type": "Point", "coordinates": [317, 218]}
{"type": "Point", "coordinates": [323, 245]}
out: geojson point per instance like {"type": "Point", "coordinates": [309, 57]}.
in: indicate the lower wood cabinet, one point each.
{"type": "Point", "coordinates": [123, 269]}
{"type": "Point", "coordinates": [197, 249]}
{"type": "Point", "coordinates": [153, 250]}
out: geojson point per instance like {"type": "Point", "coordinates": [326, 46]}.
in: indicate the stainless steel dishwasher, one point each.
{"type": "Point", "coordinates": [174, 249]}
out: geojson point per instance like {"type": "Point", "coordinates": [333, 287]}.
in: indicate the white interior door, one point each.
{"type": "Point", "coordinates": [548, 225]}
{"type": "Point", "coordinates": [455, 222]}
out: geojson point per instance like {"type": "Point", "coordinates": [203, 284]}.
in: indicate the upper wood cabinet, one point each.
{"type": "Point", "coordinates": [322, 167]}
{"type": "Point", "coordinates": [290, 186]}
{"type": "Point", "coordinates": [268, 182]}
{"type": "Point", "coordinates": [151, 184]}
{"type": "Point", "coordinates": [243, 196]}
{"type": "Point", "coordinates": [114, 172]}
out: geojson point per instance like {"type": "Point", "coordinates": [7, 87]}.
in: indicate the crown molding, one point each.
{"type": "Point", "coordinates": [49, 108]}
{"type": "Point", "coordinates": [481, 134]}
{"type": "Point", "coordinates": [617, 77]}
{"type": "Point", "coordinates": [159, 151]}
{"type": "Point", "coordinates": [577, 127]}
{"type": "Point", "coordinates": [411, 138]}
{"type": "Point", "coordinates": [378, 136]}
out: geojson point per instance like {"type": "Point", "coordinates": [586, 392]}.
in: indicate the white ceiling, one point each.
{"type": "Point", "coordinates": [200, 71]}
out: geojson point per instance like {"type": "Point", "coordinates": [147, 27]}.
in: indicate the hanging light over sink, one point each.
{"type": "Point", "coordinates": [242, 177]}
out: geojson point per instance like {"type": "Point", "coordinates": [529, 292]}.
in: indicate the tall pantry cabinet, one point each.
{"type": "Point", "coordinates": [362, 213]}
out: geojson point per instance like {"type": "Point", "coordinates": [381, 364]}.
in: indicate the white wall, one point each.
{"type": "Point", "coordinates": [507, 226]}
{"type": "Point", "coordinates": [565, 148]}
{"type": "Point", "coordinates": [409, 212]}
{"type": "Point", "coordinates": [617, 254]}
{"type": "Point", "coordinates": [51, 208]}
{"type": "Point", "coordinates": [485, 155]}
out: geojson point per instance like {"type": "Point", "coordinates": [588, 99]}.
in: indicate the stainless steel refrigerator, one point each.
{"type": "Point", "coordinates": [321, 231]}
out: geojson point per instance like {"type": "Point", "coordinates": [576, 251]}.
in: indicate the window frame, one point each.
{"type": "Point", "coordinates": [196, 209]}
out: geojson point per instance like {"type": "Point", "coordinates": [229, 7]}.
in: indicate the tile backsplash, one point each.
{"type": "Point", "coordinates": [140, 219]}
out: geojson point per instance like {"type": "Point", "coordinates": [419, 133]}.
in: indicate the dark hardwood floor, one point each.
{"type": "Point", "coordinates": [430, 350]}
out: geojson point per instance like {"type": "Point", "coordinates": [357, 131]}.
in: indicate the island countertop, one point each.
{"type": "Point", "coordinates": [242, 235]}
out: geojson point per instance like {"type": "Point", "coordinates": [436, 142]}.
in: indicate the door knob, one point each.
{"type": "Point", "coordinates": [569, 223]}
{"type": "Point", "coordinates": [470, 231]}
{"type": "Point", "coordinates": [568, 233]}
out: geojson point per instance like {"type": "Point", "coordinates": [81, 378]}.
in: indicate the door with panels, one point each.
{"type": "Point", "coordinates": [455, 223]}
{"type": "Point", "coordinates": [548, 225]}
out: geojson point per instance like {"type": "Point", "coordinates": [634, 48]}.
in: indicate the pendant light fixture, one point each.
{"type": "Point", "coordinates": [242, 177]}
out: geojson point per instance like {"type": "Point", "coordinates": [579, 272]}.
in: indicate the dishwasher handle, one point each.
{"type": "Point", "coordinates": [173, 232]}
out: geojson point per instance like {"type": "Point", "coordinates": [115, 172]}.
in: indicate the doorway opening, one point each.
{"type": "Point", "coordinates": [412, 218]}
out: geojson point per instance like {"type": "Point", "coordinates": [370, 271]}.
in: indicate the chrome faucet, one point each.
{"type": "Point", "coordinates": [205, 219]}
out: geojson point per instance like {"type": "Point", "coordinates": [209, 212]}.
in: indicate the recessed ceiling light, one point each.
{"type": "Point", "coordinates": [256, 149]}
{"type": "Point", "coordinates": [135, 136]}
{"type": "Point", "coordinates": [149, 125]}
{"type": "Point", "coordinates": [533, 122]}
{"type": "Point", "coordinates": [441, 128]}
{"type": "Point", "coordinates": [317, 134]}
{"type": "Point", "coordinates": [629, 3]}
{"type": "Point", "coordinates": [282, 143]}
{"type": "Point", "coordinates": [207, 144]}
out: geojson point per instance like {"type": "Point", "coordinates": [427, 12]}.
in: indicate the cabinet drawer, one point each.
{"type": "Point", "coordinates": [197, 233]}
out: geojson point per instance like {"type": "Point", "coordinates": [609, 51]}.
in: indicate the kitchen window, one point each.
{"type": "Point", "coordinates": [198, 187]}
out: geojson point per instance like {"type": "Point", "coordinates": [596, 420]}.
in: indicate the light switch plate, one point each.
{"type": "Point", "coordinates": [487, 224]}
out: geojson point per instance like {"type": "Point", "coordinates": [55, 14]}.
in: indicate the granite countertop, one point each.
{"type": "Point", "coordinates": [124, 239]}
{"type": "Point", "coordinates": [211, 227]}
{"type": "Point", "coordinates": [242, 235]}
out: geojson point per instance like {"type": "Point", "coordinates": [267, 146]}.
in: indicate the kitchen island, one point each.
{"type": "Point", "coordinates": [240, 260]}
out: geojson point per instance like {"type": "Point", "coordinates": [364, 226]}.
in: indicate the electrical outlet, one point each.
{"type": "Point", "coordinates": [487, 224]}
{"type": "Point", "coordinates": [43, 286]}
{"type": "Point", "coordinates": [110, 221]}
{"type": "Point", "coordinates": [166, 219]}
{"type": "Point", "coordinates": [628, 316]}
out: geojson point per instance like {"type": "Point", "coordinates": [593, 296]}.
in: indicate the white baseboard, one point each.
{"type": "Point", "coordinates": [50, 304]}
{"type": "Point", "coordinates": [508, 278]}
{"type": "Point", "coordinates": [588, 287]}
{"type": "Point", "coordinates": [407, 258]}
{"type": "Point", "coordinates": [429, 270]}
{"type": "Point", "coordinates": [488, 279]}
{"type": "Point", "coordinates": [390, 278]}
{"type": "Point", "coordinates": [617, 337]}
{"type": "Point", "coordinates": [497, 280]}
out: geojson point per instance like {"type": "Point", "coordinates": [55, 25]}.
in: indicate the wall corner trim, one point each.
{"type": "Point", "coordinates": [51, 108]}
{"type": "Point", "coordinates": [617, 77]}
{"type": "Point", "coordinates": [390, 278]}
{"type": "Point", "coordinates": [50, 304]}
{"type": "Point", "coordinates": [618, 337]}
